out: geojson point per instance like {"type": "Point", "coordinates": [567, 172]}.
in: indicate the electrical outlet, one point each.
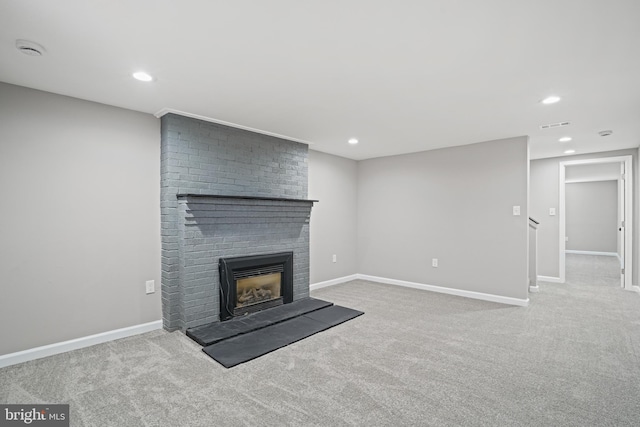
{"type": "Point", "coordinates": [151, 286]}
{"type": "Point", "coordinates": [434, 262]}
{"type": "Point", "coordinates": [335, 258]}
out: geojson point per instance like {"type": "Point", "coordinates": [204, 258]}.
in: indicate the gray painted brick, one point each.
{"type": "Point", "coordinates": [201, 157]}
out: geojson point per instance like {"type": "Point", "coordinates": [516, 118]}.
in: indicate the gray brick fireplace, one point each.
{"type": "Point", "coordinates": [226, 192]}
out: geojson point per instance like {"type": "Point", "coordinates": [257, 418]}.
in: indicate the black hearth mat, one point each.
{"type": "Point", "coordinates": [242, 348]}
{"type": "Point", "coordinates": [214, 332]}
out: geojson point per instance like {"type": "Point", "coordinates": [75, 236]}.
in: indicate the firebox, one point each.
{"type": "Point", "coordinates": [253, 283]}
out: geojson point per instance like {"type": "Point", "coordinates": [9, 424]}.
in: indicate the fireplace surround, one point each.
{"type": "Point", "coordinates": [234, 229]}
{"type": "Point", "coordinates": [225, 193]}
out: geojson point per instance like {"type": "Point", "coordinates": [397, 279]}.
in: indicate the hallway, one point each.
{"type": "Point", "coordinates": [592, 270]}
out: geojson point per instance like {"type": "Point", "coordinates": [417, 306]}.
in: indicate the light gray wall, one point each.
{"type": "Point", "coordinates": [454, 204]}
{"type": "Point", "coordinates": [333, 181]}
{"type": "Point", "coordinates": [544, 194]}
{"type": "Point", "coordinates": [80, 210]}
{"type": "Point", "coordinates": [592, 216]}
{"type": "Point", "coordinates": [543, 189]}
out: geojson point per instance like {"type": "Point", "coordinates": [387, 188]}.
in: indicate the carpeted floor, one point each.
{"type": "Point", "coordinates": [572, 358]}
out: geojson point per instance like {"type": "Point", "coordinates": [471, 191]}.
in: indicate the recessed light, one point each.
{"type": "Point", "coordinates": [550, 99]}
{"type": "Point", "coordinates": [569, 151]}
{"type": "Point", "coordinates": [353, 141]}
{"type": "Point", "coordinates": [565, 139]}
{"type": "Point", "coordinates": [142, 76]}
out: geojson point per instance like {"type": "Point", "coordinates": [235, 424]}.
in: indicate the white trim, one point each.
{"type": "Point", "coordinates": [583, 180]}
{"type": "Point", "coordinates": [635, 289]}
{"type": "Point", "coordinates": [450, 291]}
{"type": "Point", "coordinates": [62, 347]}
{"type": "Point", "coordinates": [598, 160]}
{"type": "Point", "coordinates": [425, 287]}
{"type": "Point", "coordinates": [550, 279]}
{"type": "Point", "coordinates": [562, 237]}
{"type": "Point", "coordinates": [233, 125]}
{"type": "Point", "coordinates": [627, 160]}
{"type": "Point", "coordinates": [332, 282]}
{"type": "Point", "coordinates": [571, 251]}
{"type": "Point", "coordinates": [628, 221]}
{"type": "Point", "coordinates": [534, 288]}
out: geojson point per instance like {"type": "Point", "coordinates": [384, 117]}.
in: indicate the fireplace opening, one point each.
{"type": "Point", "coordinates": [253, 283]}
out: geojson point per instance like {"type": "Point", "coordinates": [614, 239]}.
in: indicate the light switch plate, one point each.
{"type": "Point", "coordinates": [552, 211]}
{"type": "Point", "coordinates": [516, 210]}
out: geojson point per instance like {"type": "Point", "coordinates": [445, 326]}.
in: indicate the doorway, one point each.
{"type": "Point", "coordinates": [624, 180]}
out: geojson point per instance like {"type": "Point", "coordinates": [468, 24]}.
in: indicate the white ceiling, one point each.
{"type": "Point", "coordinates": [401, 76]}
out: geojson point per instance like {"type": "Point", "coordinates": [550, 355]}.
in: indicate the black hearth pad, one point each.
{"type": "Point", "coordinates": [242, 348]}
{"type": "Point", "coordinates": [218, 331]}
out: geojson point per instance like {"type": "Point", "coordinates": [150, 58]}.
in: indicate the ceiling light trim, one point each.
{"type": "Point", "coordinates": [551, 99]}
{"type": "Point", "coordinates": [143, 76]}
{"type": "Point", "coordinates": [164, 111]}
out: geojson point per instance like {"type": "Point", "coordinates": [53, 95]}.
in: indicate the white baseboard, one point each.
{"type": "Point", "coordinates": [62, 347]}
{"type": "Point", "coordinates": [424, 287]}
{"type": "Point", "coordinates": [57, 348]}
{"type": "Point", "coordinates": [615, 254]}
{"type": "Point", "coordinates": [332, 282]}
{"type": "Point", "coordinates": [549, 279]}
{"type": "Point", "coordinates": [534, 288]}
{"type": "Point", "coordinates": [450, 291]}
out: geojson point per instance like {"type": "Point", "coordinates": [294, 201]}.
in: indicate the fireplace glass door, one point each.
{"type": "Point", "coordinates": [257, 289]}
{"type": "Point", "coordinates": [254, 283]}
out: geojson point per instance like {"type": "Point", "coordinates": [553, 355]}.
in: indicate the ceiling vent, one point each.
{"type": "Point", "coordinates": [555, 125]}
{"type": "Point", "coordinates": [30, 48]}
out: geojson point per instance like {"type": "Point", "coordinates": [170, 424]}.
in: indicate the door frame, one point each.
{"type": "Point", "coordinates": [628, 214]}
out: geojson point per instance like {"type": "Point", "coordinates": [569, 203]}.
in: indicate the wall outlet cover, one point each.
{"type": "Point", "coordinates": [150, 286]}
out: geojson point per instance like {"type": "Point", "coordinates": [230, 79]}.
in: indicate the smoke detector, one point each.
{"type": "Point", "coordinates": [30, 48]}
{"type": "Point", "coordinates": [605, 132]}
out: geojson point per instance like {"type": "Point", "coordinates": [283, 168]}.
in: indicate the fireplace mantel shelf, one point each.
{"type": "Point", "coordinates": [219, 196]}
